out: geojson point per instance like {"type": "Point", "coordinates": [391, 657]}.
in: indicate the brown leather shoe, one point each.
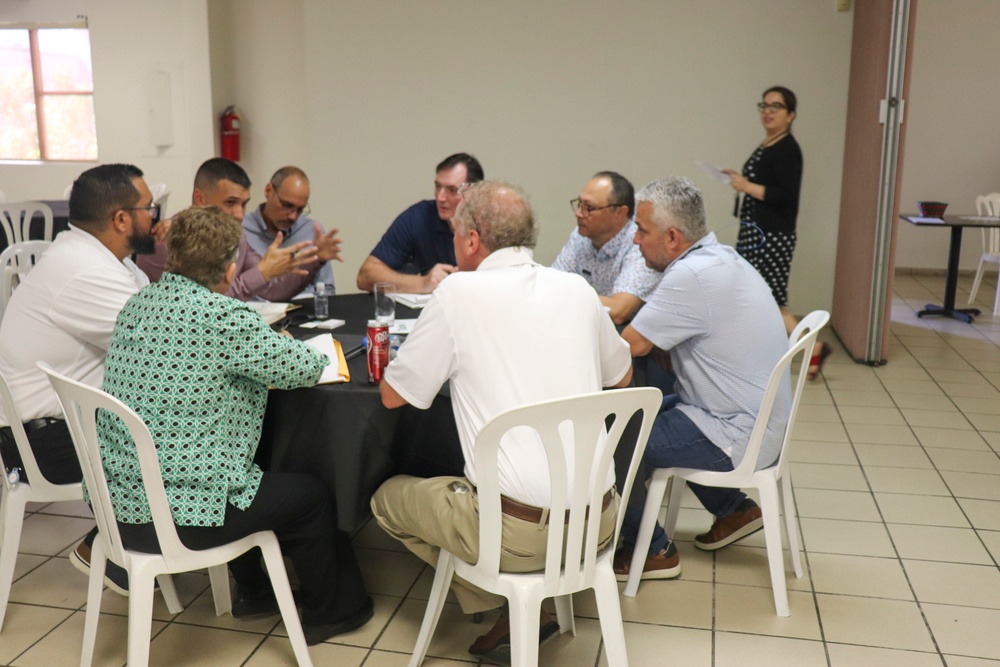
{"type": "Point", "coordinates": [735, 526]}
{"type": "Point", "coordinates": [494, 646]}
{"type": "Point", "coordinates": [664, 565]}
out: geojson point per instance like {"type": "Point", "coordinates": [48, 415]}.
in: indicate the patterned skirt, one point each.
{"type": "Point", "coordinates": [771, 255]}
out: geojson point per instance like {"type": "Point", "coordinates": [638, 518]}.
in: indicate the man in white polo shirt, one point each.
{"type": "Point", "coordinates": [506, 332]}
{"type": "Point", "coordinates": [715, 315]}
{"type": "Point", "coordinates": [64, 311]}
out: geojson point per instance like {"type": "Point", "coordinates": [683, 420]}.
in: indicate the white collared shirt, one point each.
{"type": "Point", "coordinates": [63, 313]}
{"type": "Point", "coordinates": [508, 334]}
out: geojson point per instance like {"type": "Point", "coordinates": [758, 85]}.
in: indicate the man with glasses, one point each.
{"type": "Point", "coordinates": [283, 270]}
{"type": "Point", "coordinates": [601, 250]}
{"type": "Point", "coordinates": [63, 313]}
{"type": "Point", "coordinates": [283, 221]}
{"type": "Point", "coordinates": [416, 252]}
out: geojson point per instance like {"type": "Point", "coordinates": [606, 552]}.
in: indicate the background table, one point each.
{"type": "Point", "coordinates": [956, 223]}
{"type": "Point", "coordinates": [342, 433]}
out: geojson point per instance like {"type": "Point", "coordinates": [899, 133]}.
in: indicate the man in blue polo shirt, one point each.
{"type": "Point", "coordinates": [417, 251]}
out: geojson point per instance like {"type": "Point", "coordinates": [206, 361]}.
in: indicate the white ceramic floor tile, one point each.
{"type": "Point", "coordinates": [955, 583]}
{"type": "Point", "coordinates": [921, 510]}
{"type": "Point", "coordinates": [965, 631]}
{"type": "Point", "coordinates": [906, 480]}
{"type": "Point", "coordinates": [859, 575]}
{"type": "Point", "coordinates": [939, 543]}
{"type": "Point", "coordinates": [740, 650]}
{"type": "Point", "coordinates": [861, 620]}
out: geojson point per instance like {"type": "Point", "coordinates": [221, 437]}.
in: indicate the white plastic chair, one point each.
{"type": "Point", "coordinates": [773, 498]}
{"type": "Point", "coordinates": [18, 494]}
{"type": "Point", "coordinates": [15, 220]}
{"type": "Point", "coordinates": [68, 191]}
{"type": "Point", "coordinates": [15, 263]}
{"type": "Point", "coordinates": [988, 205]}
{"type": "Point", "coordinates": [3, 197]}
{"type": "Point", "coordinates": [80, 404]}
{"type": "Point", "coordinates": [584, 566]}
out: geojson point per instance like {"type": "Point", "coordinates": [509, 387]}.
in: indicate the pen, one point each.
{"type": "Point", "coordinates": [353, 352]}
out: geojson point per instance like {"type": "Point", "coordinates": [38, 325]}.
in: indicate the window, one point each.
{"type": "Point", "coordinates": [46, 94]}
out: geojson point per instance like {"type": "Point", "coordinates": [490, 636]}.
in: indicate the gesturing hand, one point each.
{"type": "Point", "coordinates": [736, 180]}
{"type": "Point", "coordinates": [327, 244]}
{"type": "Point", "coordinates": [278, 261]}
{"type": "Point", "coordinates": [438, 273]}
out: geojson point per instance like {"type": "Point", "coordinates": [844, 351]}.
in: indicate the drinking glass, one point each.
{"type": "Point", "coordinates": [385, 303]}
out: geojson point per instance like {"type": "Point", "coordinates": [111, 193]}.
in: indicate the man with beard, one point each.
{"type": "Point", "coordinates": [63, 313]}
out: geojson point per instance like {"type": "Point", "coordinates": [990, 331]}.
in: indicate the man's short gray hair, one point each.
{"type": "Point", "coordinates": [680, 199]}
{"type": "Point", "coordinates": [499, 212]}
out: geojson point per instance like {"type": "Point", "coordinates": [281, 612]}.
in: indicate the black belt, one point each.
{"type": "Point", "coordinates": [513, 508]}
{"type": "Point", "coordinates": [29, 426]}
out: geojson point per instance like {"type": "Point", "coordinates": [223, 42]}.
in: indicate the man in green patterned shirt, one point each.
{"type": "Point", "coordinates": [196, 366]}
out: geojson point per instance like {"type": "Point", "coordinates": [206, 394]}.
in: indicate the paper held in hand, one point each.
{"type": "Point", "coordinates": [337, 371]}
{"type": "Point", "coordinates": [714, 171]}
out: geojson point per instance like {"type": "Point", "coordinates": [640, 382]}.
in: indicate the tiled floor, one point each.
{"type": "Point", "coordinates": [897, 481]}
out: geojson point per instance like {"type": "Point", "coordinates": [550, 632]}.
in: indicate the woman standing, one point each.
{"type": "Point", "coordinates": [770, 185]}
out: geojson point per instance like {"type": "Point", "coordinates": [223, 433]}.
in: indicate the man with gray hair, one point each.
{"type": "Point", "coordinates": [715, 315]}
{"type": "Point", "coordinates": [487, 329]}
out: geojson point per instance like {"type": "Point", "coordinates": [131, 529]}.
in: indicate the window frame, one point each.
{"type": "Point", "coordinates": [40, 94]}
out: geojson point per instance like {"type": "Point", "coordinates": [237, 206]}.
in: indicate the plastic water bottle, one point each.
{"type": "Point", "coordinates": [14, 476]}
{"type": "Point", "coordinates": [321, 302]}
{"type": "Point", "coordinates": [394, 342]}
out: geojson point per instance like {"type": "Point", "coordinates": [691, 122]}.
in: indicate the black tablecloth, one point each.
{"type": "Point", "coordinates": [345, 436]}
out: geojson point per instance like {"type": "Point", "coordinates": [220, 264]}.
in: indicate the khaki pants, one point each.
{"type": "Point", "coordinates": [428, 515]}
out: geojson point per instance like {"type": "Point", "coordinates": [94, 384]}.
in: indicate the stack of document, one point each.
{"type": "Point", "coordinates": [413, 300]}
{"type": "Point", "coordinates": [271, 311]}
{"type": "Point", "coordinates": [337, 371]}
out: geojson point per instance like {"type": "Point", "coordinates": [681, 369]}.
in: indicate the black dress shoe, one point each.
{"type": "Point", "coordinates": [320, 632]}
{"type": "Point", "coordinates": [248, 603]}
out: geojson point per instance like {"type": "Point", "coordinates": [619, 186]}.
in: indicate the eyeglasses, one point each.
{"type": "Point", "coordinates": [777, 106]}
{"type": "Point", "coordinates": [587, 209]}
{"type": "Point", "coordinates": [288, 206]}
{"type": "Point", "coordinates": [450, 190]}
{"type": "Point", "coordinates": [154, 210]}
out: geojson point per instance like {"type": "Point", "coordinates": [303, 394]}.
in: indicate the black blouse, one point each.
{"type": "Point", "coordinates": [779, 169]}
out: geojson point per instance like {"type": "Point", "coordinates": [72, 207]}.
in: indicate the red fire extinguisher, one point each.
{"type": "Point", "coordinates": [230, 134]}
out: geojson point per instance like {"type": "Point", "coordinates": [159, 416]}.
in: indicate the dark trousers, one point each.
{"type": "Point", "coordinates": [53, 450]}
{"type": "Point", "coordinates": [301, 512]}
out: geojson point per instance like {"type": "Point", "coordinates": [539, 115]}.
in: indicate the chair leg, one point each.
{"type": "Point", "coordinates": [283, 593]}
{"type": "Point", "coordinates": [218, 575]}
{"type": "Point", "coordinates": [173, 602]}
{"type": "Point", "coordinates": [12, 515]}
{"type": "Point", "coordinates": [524, 628]}
{"type": "Point", "coordinates": [996, 299]}
{"type": "Point", "coordinates": [775, 555]}
{"type": "Point", "coordinates": [791, 522]}
{"type": "Point", "coordinates": [976, 281]}
{"type": "Point", "coordinates": [564, 612]}
{"type": "Point", "coordinates": [610, 613]}
{"type": "Point", "coordinates": [673, 505]}
{"type": "Point", "coordinates": [435, 603]}
{"type": "Point", "coordinates": [95, 586]}
{"type": "Point", "coordinates": [650, 513]}
{"type": "Point", "coordinates": [140, 613]}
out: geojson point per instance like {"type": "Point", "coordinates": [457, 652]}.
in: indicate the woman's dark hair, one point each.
{"type": "Point", "coordinates": [790, 101]}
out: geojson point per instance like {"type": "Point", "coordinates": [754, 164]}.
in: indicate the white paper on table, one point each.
{"type": "Point", "coordinates": [270, 311]}
{"type": "Point", "coordinates": [403, 326]}
{"type": "Point", "coordinates": [714, 171]}
{"type": "Point", "coordinates": [324, 343]}
{"type": "Point", "coordinates": [325, 324]}
{"type": "Point", "coordinates": [921, 219]}
{"type": "Point", "coordinates": [412, 300]}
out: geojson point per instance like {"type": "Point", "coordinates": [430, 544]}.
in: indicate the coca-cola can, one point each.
{"type": "Point", "coordinates": [378, 350]}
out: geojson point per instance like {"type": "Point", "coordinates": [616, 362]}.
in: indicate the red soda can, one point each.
{"type": "Point", "coordinates": [378, 350]}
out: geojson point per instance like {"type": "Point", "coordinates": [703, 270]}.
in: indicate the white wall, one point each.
{"type": "Point", "coordinates": [545, 94]}
{"type": "Point", "coordinates": [953, 141]}
{"type": "Point", "coordinates": [129, 40]}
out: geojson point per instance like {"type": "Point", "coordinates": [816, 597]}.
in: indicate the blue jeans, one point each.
{"type": "Point", "coordinates": [675, 442]}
